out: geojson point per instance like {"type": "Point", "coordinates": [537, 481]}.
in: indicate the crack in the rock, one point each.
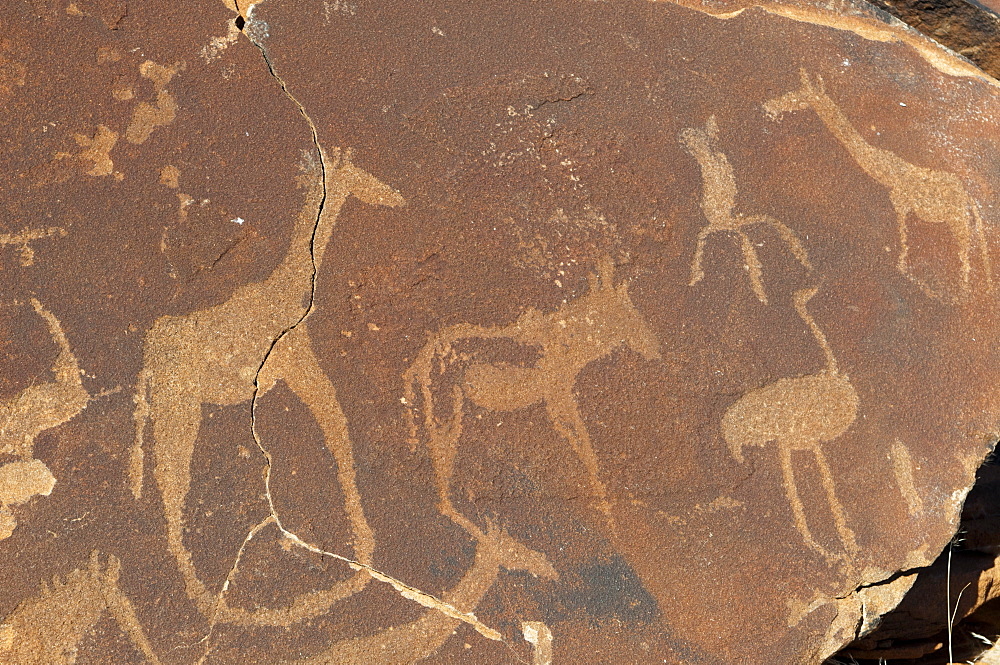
{"type": "Point", "coordinates": [406, 591]}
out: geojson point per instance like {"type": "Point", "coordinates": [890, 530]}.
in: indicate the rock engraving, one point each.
{"type": "Point", "coordinates": [213, 356]}
{"type": "Point", "coordinates": [568, 339]}
{"type": "Point", "coordinates": [932, 196]}
{"type": "Point", "coordinates": [796, 414]}
{"type": "Point", "coordinates": [47, 629]}
{"type": "Point", "coordinates": [717, 202]}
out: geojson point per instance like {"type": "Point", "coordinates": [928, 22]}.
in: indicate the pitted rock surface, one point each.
{"type": "Point", "coordinates": [374, 332]}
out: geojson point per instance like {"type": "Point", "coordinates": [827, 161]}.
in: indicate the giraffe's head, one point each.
{"type": "Point", "coordinates": [811, 89]}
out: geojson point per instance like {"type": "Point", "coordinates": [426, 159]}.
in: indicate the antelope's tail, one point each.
{"type": "Point", "coordinates": [136, 468]}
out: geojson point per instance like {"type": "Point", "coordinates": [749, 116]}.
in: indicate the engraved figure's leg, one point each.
{"type": "Point", "coordinates": [796, 503]}
{"type": "Point", "coordinates": [121, 609]}
{"type": "Point", "coordinates": [567, 421]}
{"type": "Point", "coordinates": [754, 267]}
{"type": "Point", "coordinates": [697, 274]}
{"type": "Point", "coordinates": [792, 240]}
{"type": "Point", "coordinates": [176, 416]}
{"type": "Point", "coordinates": [846, 535]}
{"type": "Point", "coordinates": [984, 246]}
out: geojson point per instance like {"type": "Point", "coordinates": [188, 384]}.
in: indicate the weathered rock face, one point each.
{"type": "Point", "coordinates": [539, 332]}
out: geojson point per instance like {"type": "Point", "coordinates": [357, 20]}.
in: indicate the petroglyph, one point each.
{"type": "Point", "coordinates": [213, 356]}
{"type": "Point", "coordinates": [569, 339]}
{"type": "Point", "coordinates": [98, 150]}
{"type": "Point", "coordinates": [717, 202]}
{"type": "Point", "coordinates": [147, 117]}
{"type": "Point", "coordinates": [22, 241]}
{"type": "Point", "coordinates": [29, 413]}
{"type": "Point", "coordinates": [420, 639]}
{"type": "Point", "coordinates": [799, 414]}
{"type": "Point", "coordinates": [47, 629]}
{"type": "Point", "coordinates": [538, 635]}
{"type": "Point", "coordinates": [937, 197]}
{"type": "Point", "coordinates": [20, 482]}
{"type": "Point", "coordinates": [902, 467]}
{"type": "Point", "coordinates": [47, 405]}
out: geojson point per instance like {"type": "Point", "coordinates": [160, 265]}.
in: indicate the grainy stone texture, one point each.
{"type": "Point", "coordinates": [477, 332]}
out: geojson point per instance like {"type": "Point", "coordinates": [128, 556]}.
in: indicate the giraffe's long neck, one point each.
{"type": "Point", "coordinates": [879, 164]}
{"type": "Point", "coordinates": [295, 272]}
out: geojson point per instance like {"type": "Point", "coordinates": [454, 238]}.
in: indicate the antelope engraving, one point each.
{"type": "Point", "coordinates": [799, 413]}
{"type": "Point", "coordinates": [717, 202]}
{"type": "Point", "coordinates": [47, 629]}
{"type": "Point", "coordinates": [932, 196]}
{"type": "Point", "coordinates": [217, 356]}
{"type": "Point", "coordinates": [420, 639]}
{"type": "Point", "coordinates": [34, 410]}
{"type": "Point", "coordinates": [568, 340]}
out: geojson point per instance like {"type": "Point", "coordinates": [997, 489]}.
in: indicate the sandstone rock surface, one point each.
{"type": "Point", "coordinates": [566, 332]}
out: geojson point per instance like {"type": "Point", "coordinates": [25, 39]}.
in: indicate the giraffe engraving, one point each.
{"type": "Point", "coordinates": [496, 550]}
{"type": "Point", "coordinates": [217, 356]}
{"type": "Point", "coordinates": [47, 629]}
{"type": "Point", "coordinates": [718, 200]}
{"type": "Point", "coordinates": [936, 197]}
{"type": "Point", "coordinates": [568, 339]}
{"type": "Point", "coordinates": [34, 410]}
{"type": "Point", "coordinates": [799, 414]}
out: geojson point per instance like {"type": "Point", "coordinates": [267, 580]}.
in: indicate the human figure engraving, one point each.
{"type": "Point", "coordinates": [47, 629]}
{"type": "Point", "coordinates": [932, 196]}
{"type": "Point", "coordinates": [717, 202]}
{"type": "Point", "coordinates": [29, 413]}
{"type": "Point", "coordinates": [213, 356]}
{"type": "Point", "coordinates": [568, 339]}
{"type": "Point", "coordinates": [799, 413]}
{"type": "Point", "coordinates": [420, 639]}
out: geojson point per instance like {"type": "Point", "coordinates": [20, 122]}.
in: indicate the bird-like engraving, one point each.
{"type": "Point", "coordinates": [567, 340]}
{"type": "Point", "coordinates": [799, 414]}
{"type": "Point", "coordinates": [932, 196]}
{"type": "Point", "coordinates": [718, 200]}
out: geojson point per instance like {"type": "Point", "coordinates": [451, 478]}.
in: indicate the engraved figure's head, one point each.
{"type": "Point", "coordinates": [620, 321]}
{"type": "Point", "coordinates": [19, 482]}
{"type": "Point", "coordinates": [811, 89]}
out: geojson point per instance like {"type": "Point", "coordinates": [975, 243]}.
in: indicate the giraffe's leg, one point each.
{"type": "Point", "coordinates": [294, 361]}
{"type": "Point", "coordinates": [754, 267]}
{"type": "Point", "coordinates": [566, 419]}
{"type": "Point", "coordinates": [796, 503]}
{"type": "Point", "coordinates": [697, 274]}
{"type": "Point", "coordinates": [846, 535]}
{"type": "Point", "coordinates": [794, 244]}
{"type": "Point", "coordinates": [904, 247]}
{"type": "Point", "coordinates": [961, 229]}
{"type": "Point", "coordinates": [175, 409]}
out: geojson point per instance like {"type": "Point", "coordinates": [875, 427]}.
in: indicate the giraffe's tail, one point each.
{"type": "Point", "coordinates": [140, 416]}
{"type": "Point", "coordinates": [984, 247]}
